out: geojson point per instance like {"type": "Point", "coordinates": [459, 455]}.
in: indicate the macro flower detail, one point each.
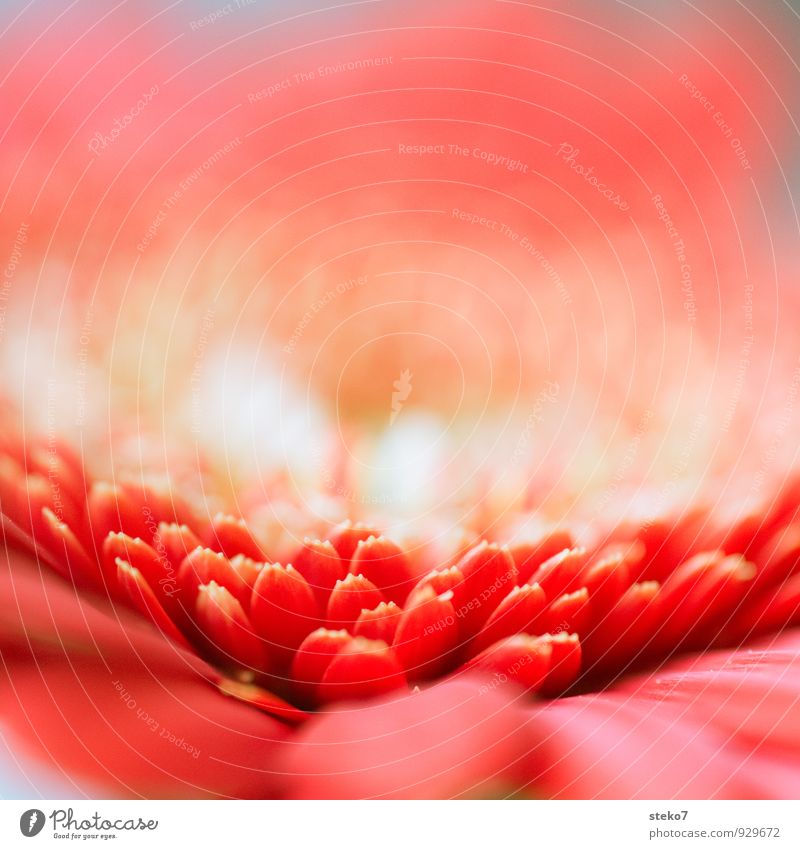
{"type": "Point", "coordinates": [402, 402]}
{"type": "Point", "coordinates": [290, 641]}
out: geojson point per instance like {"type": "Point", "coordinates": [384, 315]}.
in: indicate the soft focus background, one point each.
{"type": "Point", "coordinates": [437, 265]}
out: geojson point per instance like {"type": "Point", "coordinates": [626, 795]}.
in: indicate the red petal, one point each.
{"type": "Point", "coordinates": [719, 600]}
{"type": "Point", "coordinates": [349, 597]}
{"type": "Point", "coordinates": [779, 560]}
{"type": "Point", "coordinates": [605, 746]}
{"type": "Point", "coordinates": [749, 532]}
{"type": "Point", "coordinates": [12, 494]}
{"type": "Point", "coordinates": [519, 612]}
{"type": "Point", "coordinates": [489, 573]}
{"type": "Point", "coordinates": [283, 609]}
{"type": "Point", "coordinates": [528, 556]}
{"type": "Point", "coordinates": [227, 628]}
{"type": "Point", "coordinates": [569, 614]}
{"type": "Point", "coordinates": [445, 741]}
{"type": "Point", "coordinates": [158, 572]}
{"type": "Point", "coordinates": [704, 588]}
{"type": "Point", "coordinates": [386, 565]}
{"type": "Point", "coordinates": [23, 500]}
{"type": "Point", "coordinates": [158, 502]}
{"type": "Point", "coordinates": [262, 699]}
{"type": "Point", "coordinates": [174, 542]}
{"type": "Point", "coordinates": [723, 725]}
{"type": "Point", "coordinates": [361, 669]}
{"type": "Point", "coordinates": [133, 584]}
{"type": "Point", "coordinates": [439, 580]}
{"type": "Point", "coordinates": [606, 580]}
{"type": "Point", "coordinates": [320, 564]}
{"type": "Point", "coordinates": [248, 571]}
{"type": "Point", "coordinates": [685, 578]}
{"type": "Point", "coordinates": [561, 573]}
{"type": "Point", "coordinates": [774, 610]}
{"type": "Point", "coordinates": [313, 658]}
{"type": "Point", "coordinates": [749, 694]}
{"type": "Point", "coordinates": [106, 701]}
{"type": "Point", "coordinates": [626, 631]}
{"type": "Point", "coordinates": [67, 491]}
{"type": "Point", "coordinates": [427, 635]}
{"type": "Point", "coordinates": [346, 536]}
{"type": "Point", "coordinates": [565, 663]}
{"type": "Point", "coordinates": [79, 567]}
{"type": "Point", "coordinates": [232, 536]}
{"type": "Point", "coordinates": [58, 463]}
{"type": "Point", "coordinates": [667, 540]}
{"type": "Point", "coordinates": [379, 623]}
{"type": "Point", "coordinates": [112, 510]}
{"type": "Point", "coordinates": [202, 566]}
{"type": "Point", "coordinates": [522, 659]}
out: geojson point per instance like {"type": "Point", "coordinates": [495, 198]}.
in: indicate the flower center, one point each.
{"type": "Point", "coordinates": [355, 616]}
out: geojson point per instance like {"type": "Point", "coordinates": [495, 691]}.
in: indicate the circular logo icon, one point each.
{"type": "Point", "coordinates": [31, 822]}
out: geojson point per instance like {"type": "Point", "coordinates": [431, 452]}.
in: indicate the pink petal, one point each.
{"type": "Point", "coordinates": [451, 740]}
{"type": "Point", "coordinates": [721, 725]}
{"type": "Point", "coordinates": [113, 707]}
{"type": "Point", "coordinates": [606, 747]}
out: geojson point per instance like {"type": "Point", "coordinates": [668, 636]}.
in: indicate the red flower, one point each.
{"type": "Point", "coordinates": [480, 280]}
{"type": "Point", "coordinates": [232, 698]}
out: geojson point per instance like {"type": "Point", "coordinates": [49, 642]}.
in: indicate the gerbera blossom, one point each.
{"type": "Point", "coordinates": [384, 410]}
